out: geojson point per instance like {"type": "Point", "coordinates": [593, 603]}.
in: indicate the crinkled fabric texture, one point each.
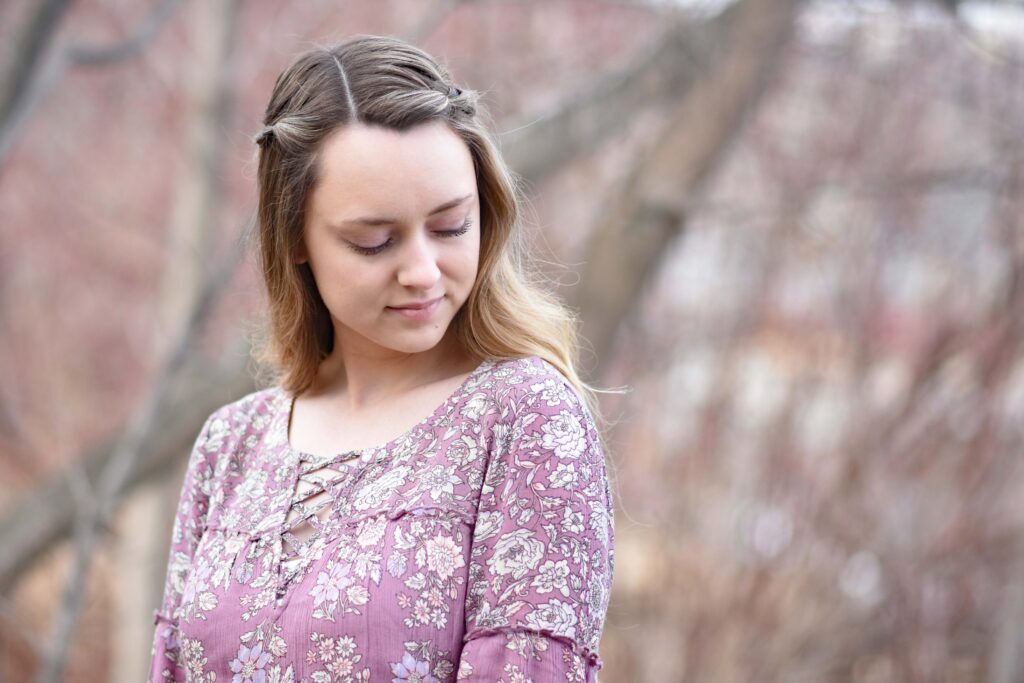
{"type": "Point", "coordinates": [478, 546]}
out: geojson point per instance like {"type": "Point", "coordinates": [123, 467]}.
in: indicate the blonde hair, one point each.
{"type": "Point", "coordinates": [387, 82]}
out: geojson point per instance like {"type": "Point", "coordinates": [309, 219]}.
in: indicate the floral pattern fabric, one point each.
{"type": "Point", "coordinates": [477, 546]}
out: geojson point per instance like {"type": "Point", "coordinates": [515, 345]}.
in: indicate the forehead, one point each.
{"type": "Point", "coordinates": [369, 170]}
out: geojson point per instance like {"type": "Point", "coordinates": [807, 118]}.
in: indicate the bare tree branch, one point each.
{"type": "Point", "coordinates": [184, 394]}
{"type": "Point", "coordinates": [83, 55]}
{"type": "Point", "coordinates": [96, 508]}
{"type": "Point", "coordinates": [34, 77]}
{"type": "Point", "coordinates": [28, 54]}
{"type": "Point", "coordinates": [45, 516]}
{"type": "Point", "coordinates": [578, 124]}
{"type": "Point", "coordinates": [119, 470]}
{"type": "Point", "coordinates": [748, 37]}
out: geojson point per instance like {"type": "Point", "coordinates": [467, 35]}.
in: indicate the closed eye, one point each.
{"type": "Point", "coordinates": [370, 251]}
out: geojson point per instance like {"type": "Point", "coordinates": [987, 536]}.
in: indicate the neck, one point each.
{"type": "Point", "coordinates": [365, 378]}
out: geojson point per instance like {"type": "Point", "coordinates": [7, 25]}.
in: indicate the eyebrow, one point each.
{"type": "Point", "coordinates": [391, 221]}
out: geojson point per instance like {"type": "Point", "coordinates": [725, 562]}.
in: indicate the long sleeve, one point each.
{"type": "Point", "coordinates": [542, 552]}
{"type": "Point", "coordinates": [189, 524]}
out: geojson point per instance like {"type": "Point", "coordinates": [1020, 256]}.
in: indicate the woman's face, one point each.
{"type": "Point", "coordinates": [394, 220]}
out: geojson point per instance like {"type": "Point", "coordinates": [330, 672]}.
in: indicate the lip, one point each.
{"type": "Point", "coordinates": [422, 311]}
{"type": "Point", "coordinates": [417, 307]}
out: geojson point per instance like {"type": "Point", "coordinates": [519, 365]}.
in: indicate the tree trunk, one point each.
{"type": "Point", "coordinates": [736, 61]}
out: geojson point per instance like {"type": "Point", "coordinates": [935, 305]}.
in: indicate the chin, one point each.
{"type": "Point", "coordinates": [417, 343]}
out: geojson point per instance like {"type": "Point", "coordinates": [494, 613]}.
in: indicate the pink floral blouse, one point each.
{"type": "Point", "coordinates": [478, 546]}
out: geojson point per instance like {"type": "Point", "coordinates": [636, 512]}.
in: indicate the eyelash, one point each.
{"type": "Point", "coordinates": [370, 251]}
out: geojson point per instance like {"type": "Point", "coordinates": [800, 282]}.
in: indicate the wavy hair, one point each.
{"type": "Point", "coordinates": [384, 81]}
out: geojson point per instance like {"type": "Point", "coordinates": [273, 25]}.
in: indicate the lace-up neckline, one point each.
{"type": "Point", "coordinates": [320, 481]}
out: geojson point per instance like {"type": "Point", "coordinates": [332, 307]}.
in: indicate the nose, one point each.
{"type": "Point", "coordinates": [418, 266]}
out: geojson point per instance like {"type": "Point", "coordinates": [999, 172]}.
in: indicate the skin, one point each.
{"type": "Point", "coordinates": [380, 357]}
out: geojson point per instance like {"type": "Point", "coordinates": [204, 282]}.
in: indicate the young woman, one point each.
{"type": "Point", "coordinates": [422, 495]}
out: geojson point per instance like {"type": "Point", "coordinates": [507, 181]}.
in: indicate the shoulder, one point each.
{"type": "Point", "coordinates": [520, 377]}
{"type": "Point", "coordinates": [536, 397]}
{"type": "Point", "coordinates": [250, 413]}
{"type": "Point", "coordinates": [253, 403]}
{"type": "Point", "coordinates": [230, 428]}
{"type": "Point", "coordinates": [535, 383]}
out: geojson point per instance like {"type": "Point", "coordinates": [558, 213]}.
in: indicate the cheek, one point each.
{"type": "Point", "coordinates": [463, 268]}
{"type": "Point", "coordinates": [344, 282]}
{"type": "Point", "coordinates": [469, 260]}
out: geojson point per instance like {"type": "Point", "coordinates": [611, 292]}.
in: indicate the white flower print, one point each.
{"type": "Point", "coordinates": [487, 524]}
{"type": "Point", "coordinates": [565, 435]}
{"type": "Point", "coordinates": [410, 670]}
{"type": "Point", "coordinates": [564, 476]}
{"type": "Point", "coordinates": [196, 598]}
{"type": "Point", "coordinates": [572, 521]}
{"type": "Point", "coordinates": [473, 408]}
{"type": "Point", "coordinates": [231, 518]}
{"type": "Point", "coordinates": [376, 492]}
{"type": "Point", "coordinates": [371, 530]}
{"type": "Point", "coordinates": [438, 550]}
{"type": "Point", "coordinates": [557, 616]}
{"type": "Point", "coordinates": [529, 644]}
{"type": "Point", "coordinates": [339, 657]}
{"type": "Point", "coordinates": [516, 553]}
{"type": "Point", "coordinates": [234, 543]}
{"type": "Point", "coordinates": [397, 564]}
{"type": "Point", "coordinates": [440, 481]}
{"type": "Point", "coordinates": [551, 392]}
{"type": "Point", "coordinates": [249, 665]}
{"type": "Point", "coordinates": [197, 581]}
{"type": "Point", "coordinates": [330, 583]}
{"type": "Point", "coordinates": [444, 556]}
{"type": "Point", "coordinates": [357, 595]}
{"type": "Point", "coordinates": [219, 430]}
{"type": "Point", "coordinates": [552, 577]}
{"type": "Point", "coordinates": [515, 674]}
{"type": "Point", "coordinates": [253, 486]}
{"type": "Point", "coordinates": [600, 522]}
{"type": "Point", "coordinates": [193, 658]}
{"type": "Point", "coordinates": [463, 450]}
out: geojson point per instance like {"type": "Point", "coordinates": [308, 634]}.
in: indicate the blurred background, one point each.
{"type": "Point", "coordinates": [792, 229]}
